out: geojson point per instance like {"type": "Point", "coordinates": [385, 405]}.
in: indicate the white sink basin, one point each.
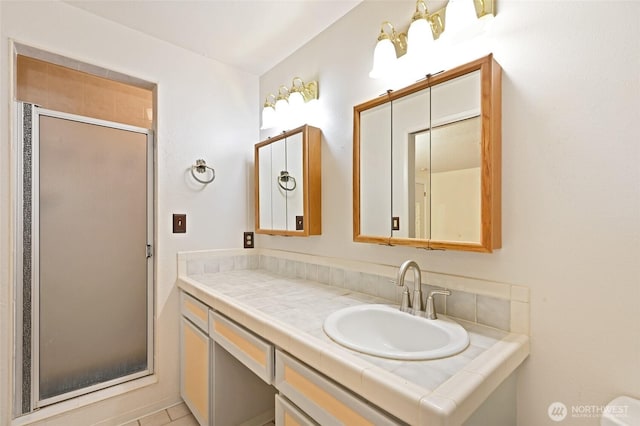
{"type": "Point", "coordinates": [385, 331]}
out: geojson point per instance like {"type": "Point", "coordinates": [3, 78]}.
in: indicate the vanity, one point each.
{"type": "Point", "coordinates": [253, 348]}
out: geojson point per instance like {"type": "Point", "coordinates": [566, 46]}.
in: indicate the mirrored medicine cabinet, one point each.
{"type": "Point", "coordinates": [287, 183]}
{"type": "Point", "coordinates": [427, 160]}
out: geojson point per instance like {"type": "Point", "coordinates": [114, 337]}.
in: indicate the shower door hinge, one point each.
{"type": "Point", "coordinates": [149, 251]}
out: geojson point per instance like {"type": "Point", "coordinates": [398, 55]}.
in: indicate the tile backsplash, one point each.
{"type": "Point", "coordinates": [499, 305]}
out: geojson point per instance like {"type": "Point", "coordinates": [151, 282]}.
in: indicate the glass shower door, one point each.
{"type": "Point", "coordinates": [93, 275]}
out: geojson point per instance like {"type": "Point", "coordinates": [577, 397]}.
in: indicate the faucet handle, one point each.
{"type": "Point", "coordinates": [444, 292]}
{"type": "Point", "coordinates": [430, 310]}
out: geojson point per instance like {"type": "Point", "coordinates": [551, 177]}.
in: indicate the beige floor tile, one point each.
{"type": "Point", "coordinates": [133, 423]}
{"type": "Point", "coordinates": [157, 419]}
{"type": "Point", "coordinates": [188, 420]}
{"type": "Point", "coordinates": [178, 411]}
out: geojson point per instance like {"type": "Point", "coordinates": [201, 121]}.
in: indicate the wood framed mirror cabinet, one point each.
{"type": "Point", "coordinates": [287, 183]}
{"type": "Point", "coordinates": [427, 162]}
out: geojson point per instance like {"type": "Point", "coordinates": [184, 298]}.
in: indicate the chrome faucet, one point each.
{"type": "Point", "coordinates": [406, 305]}
{"type": "Point", "coordinates": [416, 307]}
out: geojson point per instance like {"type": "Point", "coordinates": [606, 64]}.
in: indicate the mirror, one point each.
{"type": "Point", "coordinates": [427, 162]}
{"type": "Point", "coordinates": [287, 183]}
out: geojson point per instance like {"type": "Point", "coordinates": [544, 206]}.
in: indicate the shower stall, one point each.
{"type": "Point", "coordinates": [84, 317]}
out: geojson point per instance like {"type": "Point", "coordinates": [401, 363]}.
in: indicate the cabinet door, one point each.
{"type": "Point", "coordinates": [373, 209]}
{"type": "Point", "coordinates": [194, 370]}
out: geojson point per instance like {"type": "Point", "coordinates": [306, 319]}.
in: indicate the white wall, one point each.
{"type": "Point", "coordinates": [571, 182]}
{"type": "Point", "coordinates": [205, 110]}
{"type": "Point", "coordinates": [455, 205]}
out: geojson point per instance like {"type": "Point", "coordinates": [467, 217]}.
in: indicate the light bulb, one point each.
{"type": "Point", "coordinates": [384, 57]}
{"type": "Point", "coordinates": [296, 100]}
{"type": "Point", "coordinates": [462, 22]}
{"type": "Point", "coordinates": [420, 38]}
{"type": "Point", "coordinates": [282, 106]}
{"type": "Point", "coordinates": [268, 117]}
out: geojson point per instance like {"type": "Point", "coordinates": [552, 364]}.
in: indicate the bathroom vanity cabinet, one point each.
{"type": "Point", "coordinates": [268, 357]}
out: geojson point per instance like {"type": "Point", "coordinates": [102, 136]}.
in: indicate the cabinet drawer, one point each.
{"type": "Point", "coordinates": [255, 353]}
{"type": "Point", "coordinates": [196, 311]}
{"type": "Point", "coordinates": [288, 414]}
{"type": "Point", "coordinates": [321, 399]}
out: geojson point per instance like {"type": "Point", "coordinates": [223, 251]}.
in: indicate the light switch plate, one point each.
{"type": "Point", "coordinates": [179, 223]}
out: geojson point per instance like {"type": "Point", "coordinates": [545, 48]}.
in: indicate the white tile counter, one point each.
{"type": "Point", "coordinates": [289, 312]}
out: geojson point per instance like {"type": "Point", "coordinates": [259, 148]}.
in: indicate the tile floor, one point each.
{"type": "Point", "coordinates": [177, 415]}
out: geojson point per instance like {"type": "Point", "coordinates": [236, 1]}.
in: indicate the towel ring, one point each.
{"type": "Point", "coordinates": [201, 167]}
{"type": "Point", "coordinates": [286, 178]}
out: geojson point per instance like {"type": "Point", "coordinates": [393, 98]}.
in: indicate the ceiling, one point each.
{"type": "Point", "coordinates": [252, 35]}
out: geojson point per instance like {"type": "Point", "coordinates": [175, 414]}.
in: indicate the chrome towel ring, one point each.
{"type": "Point", "coordinates": [286, 178]}
{"type": "Point", "coordinates": [201, 167]}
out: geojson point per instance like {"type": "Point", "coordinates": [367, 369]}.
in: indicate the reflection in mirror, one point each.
{"type": "Point", "coordinates": [375, 169]}
{"type": "Point", "coordinates": [447, 180]}
{"type": "Point", "coordinates": [411, 114]}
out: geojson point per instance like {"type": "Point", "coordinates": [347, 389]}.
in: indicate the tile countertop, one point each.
{"type": "Point", "coordinates": [289, 313]}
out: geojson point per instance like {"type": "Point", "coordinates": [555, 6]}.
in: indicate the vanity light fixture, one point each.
{"type": "Point", "coordinates": [288, 106]}
{"type": "Point", "coordinates": [425, 28]}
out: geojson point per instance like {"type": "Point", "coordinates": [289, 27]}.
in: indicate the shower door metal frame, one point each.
{"type": "Point", "coordinates": [36, 113]}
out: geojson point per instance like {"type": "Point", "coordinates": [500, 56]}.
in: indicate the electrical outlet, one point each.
{"type": "Point", "coordinates": [179, 223]}
{"type": "Point", "coordinates": [395, 223]}
{"type": "Point", "coordinates": [299, 223]}
{"type": "Point", "coordinates": [248, 240]}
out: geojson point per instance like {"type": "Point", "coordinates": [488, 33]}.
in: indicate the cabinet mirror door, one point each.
{"type": "Point", "coordinates": [287, 180]}
{"type": "Point", "coordinates": [281, 182]}
{"type": "Point", "coordinates": [430, 154]}
{"type": "Point", "coordinates": [409, 163]}
{"type": "Point", "coordinates": [375, 169]}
